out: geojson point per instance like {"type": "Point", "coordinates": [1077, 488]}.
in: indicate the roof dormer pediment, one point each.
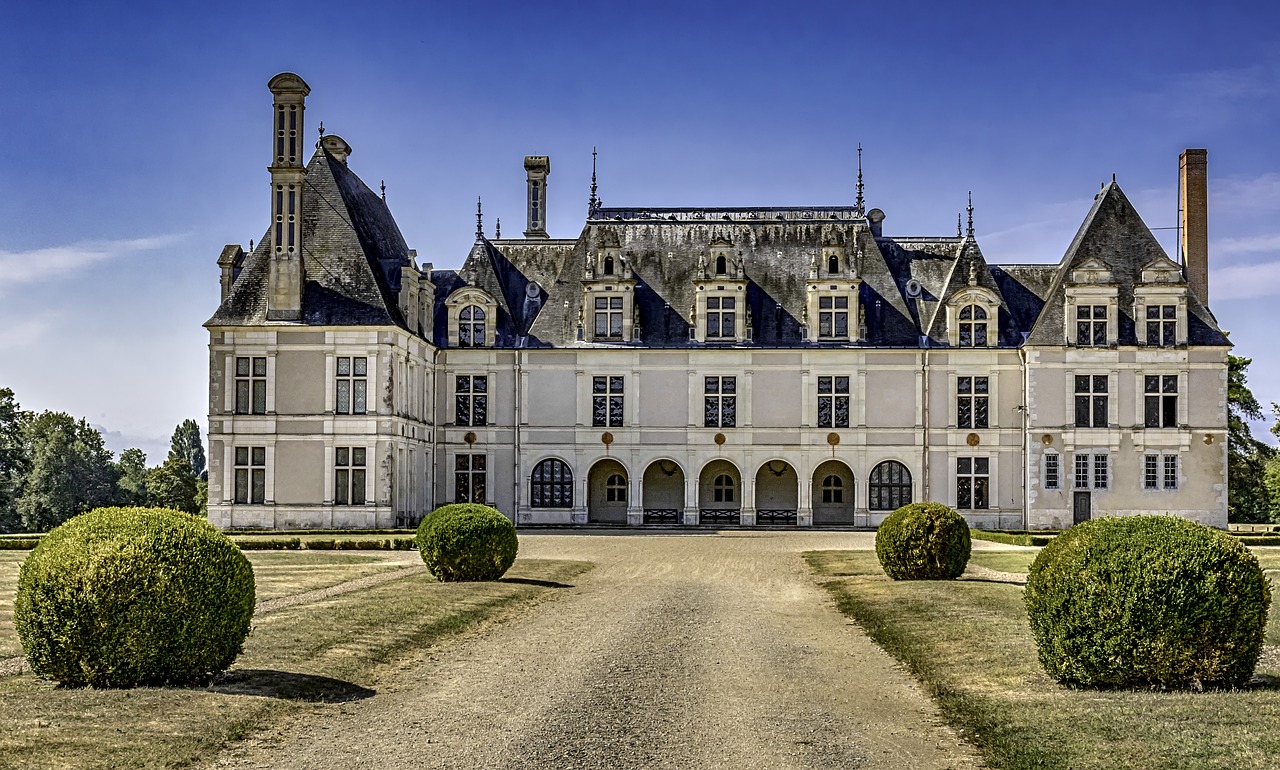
{"type": "Point", "coordinates": [1161, 269]}
{"type": "Point", "coordinates": [1092, 270]}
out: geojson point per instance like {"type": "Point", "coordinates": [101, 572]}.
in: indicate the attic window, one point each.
{"type": "Point", "coordinates": [471, 327]}
{"type": "Point", "coordinates": [973, 326]}
{"type": "Point", "coordinates": [722, 266]}
{"type": "Point", "coordinates": [608, 265]}
{"type": "Point", "coordinates": [833, 264]}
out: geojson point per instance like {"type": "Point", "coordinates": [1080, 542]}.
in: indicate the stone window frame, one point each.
{"type": "Point", "coordinates": [1156, 470]}
{"type": "Point", "coordinates": [1162, 285]}
{"type": "Point", "coordinates": [471, 296]}
{"type": "Point", "coordinates": [608, 404]}
{"type": "Point", "coordinates": [832, 489]}
{"type": "Point", "coordinates": [466, 476]}
{"type": "Point", "coordinates": [834, 395]}
{"type": "Point", "coordinates": [538, 487]}
{"type": "Point", "coordinates": [1112, 396]}
{"type": "Point", "coordinates": [720, 288]}
{"type": "Point", "coordinates": [1105, 294]}
{"type": "Point", "coordinates": [737, 395]}
{"type": "Point", "coordinates": [988, 396]}
{"type": "Point", "coordinates": [229, 373]}
{"type": "Point", "coordinates": [368, 352]}
{"type": "Point", "coordinates": [876, 487]}
{"type": "Point", "coordinates": [229, 467]}
{"type": "Point", "coordinates": [1051, 470]}
{"type": "Point", "coordinates": [973, 296]}
{"type": "Point", "coordinates": [1097, 470]}
{"type": "Point", "coordinates": [471, 394]}
{"type": "Point", "coordinates": [345, 468]}
{"type": "Point", "coordinates": [973, 468]}
{"type": "Point", "coordinates": [1162, 380]}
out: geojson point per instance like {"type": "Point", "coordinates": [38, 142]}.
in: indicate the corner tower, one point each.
{"type": "Point", "coordinates": [288, 173]}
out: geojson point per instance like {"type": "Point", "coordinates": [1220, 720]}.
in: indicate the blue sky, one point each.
{"type": "Point", "coordinates": [136, 143]}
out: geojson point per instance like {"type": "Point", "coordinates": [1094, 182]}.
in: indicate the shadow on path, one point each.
{"type": "Point", "coordinates": [289, 686]}
{"type": "Point", "coordinates": [532, 582]}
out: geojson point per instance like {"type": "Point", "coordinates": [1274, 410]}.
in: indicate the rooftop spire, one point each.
{"type": "Point", "coordinates": [497, 229]}
{"type": "Point", "coordinates": [970, 210]}
{"type": "Point", "coordinates": [593, 203]}
{"type": "Point", "coordinates": [383, 187]}
{"type": "Point", "coordinates": [479, 220]}
{"type": "Point", "coordinates": [321, 130]}
{"type": "Point", "coordinates": [959, 229]}
{"type": "Point", "coordinates": [860, 207]}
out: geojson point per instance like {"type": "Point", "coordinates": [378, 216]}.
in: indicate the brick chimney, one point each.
{"type": "Point", "coordinates": [1193, 203]}
{"type": "Point", "coordinates": [538, 168]}
{"type": "Point", "coordinates": [285, 278]}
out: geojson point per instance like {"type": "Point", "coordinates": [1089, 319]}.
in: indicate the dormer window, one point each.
{"type": "Point", "coordinates": [721, 317]}
{"type": "Point", "coordinates": [722, 267]}
{"type": "Point", "coordinates": [1162, 325]}
{"type": "Point", "coordinates": [608, 317]}
{"type": "Point", "coordinates": [607, 268]}
{"type": "Point", "coordinates": [973, 326]}
{"type": "Point", "coordinates": [1091, 325]}
{"type": "Point", "coordinates": [471, 327]}
{"type": "Point", "coordinates": [833, 317]}
{"type": "Point", "coordinates": [833, 263]}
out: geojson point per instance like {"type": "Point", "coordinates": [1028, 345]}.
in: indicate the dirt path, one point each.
{"type": "Point", "coordinates": [682, 651]}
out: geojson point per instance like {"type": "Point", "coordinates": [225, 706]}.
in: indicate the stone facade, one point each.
{"type": "Point", "coordinates": [756, 366]}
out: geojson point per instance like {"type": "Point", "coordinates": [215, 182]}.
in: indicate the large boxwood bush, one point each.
{"type": "Point", "coordinates": [1147, 600]}
{"type": "Point", "coordinates": [467, 541]}
{"type": "Point", "coordinates": [923, 541]}
{"type": "Point", "coordinates": [119, 597]}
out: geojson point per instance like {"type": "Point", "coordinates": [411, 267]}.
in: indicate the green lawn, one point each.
{"type": "Point", "coordinates": [308, 657]}
{"type": "Point", "coordinates": [967, 641]}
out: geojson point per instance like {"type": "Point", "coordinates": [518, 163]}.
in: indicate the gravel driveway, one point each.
{"type": "Point", "coordinates": [677, 651]}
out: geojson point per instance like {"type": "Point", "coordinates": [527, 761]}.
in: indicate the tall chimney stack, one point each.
{"type": "Point", "coordinates": [538, 168]}
{"type": "Point", "coordinates": [285, 278]}
{"type": "Point", "coordinates": [1193, 184]}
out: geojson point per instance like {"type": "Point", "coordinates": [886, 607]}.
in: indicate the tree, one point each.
{"type": "Point", "coordinates": [70, 471]}
{"type": "Point", "coordinates": [186, 444]}
{"type": "Point", "coordinates": [1248, 499]}
{"type": "Point", "coordinates": [131, 482]}
{"type": "Point", "coordinates": [173, 485]}
{"type": "Point", "coordinates": [13, 459]}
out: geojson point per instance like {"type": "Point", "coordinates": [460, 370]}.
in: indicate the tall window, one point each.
{"type": "Point", "coordinates": [721, 317]}
{"type": "Point", "coordinates": [1091, 325]}
{"type": "Point", "coordinates": [1092, 471]}
{"type": "Point", "coordinates": [1160, 400]}
{"type": "Point", "coordinates": [348, 475]}
{"type": "Point", "coordinates": [833, 402]}
{"type": "Point", "coordinates": [606, 402]}
{"type": "Point", "coordinates": [471, 327]}
{"type": "Point", "coordinates": [1091, 401]}
{"type": "Point", "coordinates": [471, 399]}
{"type": "Point", "coordinates": [469, 478]}
{"type": "Point", "coordinates": [833, 317]}
{"type": "Point", "coordinates": [1052, 471]}
{"type": "Point", "coordinates": [973, 326]}
{"type": "Point", "coordinates": [250, 475]}
{"type": "Point", "coordinates": [1162, 325]}
{"type": "Point", "coordinates": [832, 489]}
{"type": "Point", "coordinates": [615, 488]}
{"type": "Point", "coordinates": [720, 402]}
{"type": "Point", "coordinates": [609, 317]}
{"type": "Point", "coordinates": [890, 486]}
{"type": "Point", "coordinates": [352, 390]}
{"type": "Point", "coordinates": [251, 386]}
{"type": "Point", "coordinates": [551, 485]}
{"type": "Point", "coordinates": [971, 402]}
{"type": "Point", "coordinates": [973, 477]}
{"type": "Point", "coordinates": [722, 489]}
{"type": "Point", "coordinates": [1160, 471]}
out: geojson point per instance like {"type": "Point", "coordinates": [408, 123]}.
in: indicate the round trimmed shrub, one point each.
{"type": "Point", "coordinates": [120, 597]}
{"type": "Point", "coordinates": [467, 542]}
{"type": "Point", "coordinates": [923, 541]}
{"type": "Point", "coordinates": [1147, 600]}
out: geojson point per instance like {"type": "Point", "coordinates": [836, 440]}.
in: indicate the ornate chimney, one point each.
{"type": "Point", "coordinates": [538, 168]}
{"type": "Point", "coordinates": [1193, 184]}
{"type": "Point", "coordinates": [285, 279]}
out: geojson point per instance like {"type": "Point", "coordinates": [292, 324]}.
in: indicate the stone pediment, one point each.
{"type": "Point", "coordinates": [1162, 270]}
{"type": "Point", "coordinates": [1092, 270]}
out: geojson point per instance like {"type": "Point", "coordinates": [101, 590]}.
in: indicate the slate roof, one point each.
{"type": "Point", "coordinates": [352, 255]}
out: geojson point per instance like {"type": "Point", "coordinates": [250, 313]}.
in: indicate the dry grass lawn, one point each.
{"type": "Point", "coordinates": [968, 642]}
{"type": "Point", "coordinates": [306, 658]}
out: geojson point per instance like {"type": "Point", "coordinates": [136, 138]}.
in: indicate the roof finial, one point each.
{"type": "Point", "coordinates": [321, 130]}
{"type": "Point", "coordinates": [970, 210]}
{"type": "Point", "coordinates": [479, 220]}
{"type": "Point", "coordinates": [497, 230]}
{"type": "Point", "coordinates": [383, 187]}
{"type": "Point", "coordinates": [860, 206]}
{"type": "Point", "coordinates": [593, 203]}
{"type": "Point", "coordinates": [959, 228]}
{"type": "Point", "coordinates": [250, 245]}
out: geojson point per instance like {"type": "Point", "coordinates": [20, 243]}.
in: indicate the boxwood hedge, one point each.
{"type": "Point", "coordinates": [923, 541]}
{"type": "Point", "coordinates": [467, 541]}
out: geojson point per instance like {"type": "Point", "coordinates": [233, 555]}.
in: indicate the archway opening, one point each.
{"type": "Point", "coordinates": [607, 493]}
{"type": "Point", "coordinates": [833, 495]}
{"type": "Point", "coordinates": [662, 491]}
{"type": "Point", "coordinates": [720, 494]}
{"type": "Point", "coordinates": [777, 493]}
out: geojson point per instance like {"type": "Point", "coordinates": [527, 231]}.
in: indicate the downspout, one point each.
{"type": "Point", "coordinates": [515, 479]}
{"type": "Point", "coordinates": [924, 401]}
{"type": "Point", "coordinates": [435, 427]}
{"type": "Point", "coordinates": [1026, 443]}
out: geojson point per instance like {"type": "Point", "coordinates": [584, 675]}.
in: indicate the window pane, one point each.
{"type": "Point", "coordinates": [711, 385]}
{"type": "Point", "coordinates": [357, 487]}
{"type": "Point", "coordinates": [479, 410]}
{"type": "Point", "coordinates": [242, 396]}
{"type": "Point", "coordinates": [242, 485]}
{"type": "Point", "coordinates": [259, 492]}
{"type": "Point", "coordinates": [344, 366]}
{"type": "Point", "coordinates": [1170, 412]}
{"type": "Point", "coordinates": [842, 384]}
{"type": "Point", "coordinates": [728, 411]}
{"type": "Point", "coordinates": [728, 384]}
{"type": "Point", "coordinates": [343, 405]}
{"type": "Point", "coordinates": [259, 456]}
{"type": "Point", "coordinates": [340, 481]}
{"type": "Point", "coordinates": [259, 367]}
{"type": "Point", "coordinates": [980, 493]}
{"type": "Point", "coordinates": [964, 384]}
{"type": "Point", "coordinates": [842, 412]}
{"type": "Point", "coordinates": [711, 412]}
{"type": "Point", "coordinates": [259, 396]}
{"type": "Point", "coordinates": [598, 384]}
{"type": "Point", "coordinates": [824, 384]}
{"type": "Point", "coordinates": [615, 411]}
{"type": "Point", "coordinates": [615, 384]}
{"type": "Point", "coordinates": [964, 465]}
{"type": "Point", "coordinates": [980, 335]}
{"type": "Point", "coordinates": [342, 456]}
{"type": "Point", "coordinates": [965, 413]}
{"type": "Point", "coordinates": [462, 410]}
{"type": "Point", "coordinates": [1099, 383]}
{"type": "Point", "coordinates": [964, 492]}
{"type": "Point", "coordinates": [824, 411]}
{"type": "Point", "coordinates": [479, 384]}
{"type": "Point", "coordinates": [598, 410]}
{"type": "Point", "coordinates": [1151, 412]}
{"type": "Point", "coordinates": [980, 412]}
{"type": "Point", "coordinates": [477, 487]}
{"type": "Point", "coordinates": [242, 367]}
{"type": "Point", "coordinates": [981, 465]}
{"type": "Point", "coordinates": [357, 456]}
{"type": "Point", "coordinates": [1099, 411]}
{"type": "Point", "coordinates": [842, 325]}
{"type": "Point", "coordinates": [1082, 412]}
{"type": "Point", "coordinates": [359, 405]}
{"type": "Point", "coordinates": [1082, 384]}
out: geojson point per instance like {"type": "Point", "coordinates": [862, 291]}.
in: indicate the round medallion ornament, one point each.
{"type": "Point", "coordinates": [1046, 439]}
{"type": "Point", "coordinates": [719, 439]}
{"type": "Point", "coordinates": [833, 438]}
{"type": "Point", "coordinates": [470, 438]}
{"type": "Point", "coordinates": [973, 440]}
{"type": "Point", "coordinates": [606, 438]}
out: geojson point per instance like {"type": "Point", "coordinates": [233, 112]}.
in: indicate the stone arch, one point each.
{"type": "Point", "coordinates": [662, 492]}
{"type": "Point", "coordinates": [607, 492]}
{"type": "Point", "coordinates": [889, 487]}
{"type": "Point", "coordinates": [551, 483]}
{"type": "Point", "coordinates": [720, 493]}
{"type": "Point", "coordinates": [833, 494]}
{"type": "Point", "coordinates": [777, 493]}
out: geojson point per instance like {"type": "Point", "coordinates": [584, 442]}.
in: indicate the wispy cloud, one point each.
{"type": "Point", "coordinates": [1253, 244]}
{"type": "Point", "coordinates": [1245, 194]}
{"type": "Point", "coordinates": [23, 333]}
{"type": "Point", "coordinates": [21, 267]}
{"type": "Point", "coordinates": [1260, 279]}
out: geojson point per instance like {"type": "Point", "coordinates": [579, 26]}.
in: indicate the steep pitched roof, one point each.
{"type": "Point", "coordinates": [352, 254]}
{"type": "Point", "coordinates": [1114, 234]}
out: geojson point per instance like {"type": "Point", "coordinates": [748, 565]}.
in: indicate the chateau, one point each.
{"type": "Point", "coordinates": [790, 366]}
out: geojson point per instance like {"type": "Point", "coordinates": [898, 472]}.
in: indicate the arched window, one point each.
{"type": "Point", "coordinates": [890, 486]}
{"type": "Point", "coordinates": [722, 266]}
{"type": "Point", "coordinates": [833, 264]}
{"type": "Point", "coordinates": [615, 489]}
{"type": "Point", "coordinates": [722, 488]}
{"type": "Point", "coordinates": [832, 489]}
{"type": "Point", "coordinates": [471, 327]}
{"type": "Point", "coordinates": [973, 326]}
{"type": "Point", "coordinates": [608, 265]}
{"type": "Point", "coordinates": [551, 485]}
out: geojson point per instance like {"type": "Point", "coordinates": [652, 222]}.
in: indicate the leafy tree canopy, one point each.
{"type": "Point", "coordinates": [186, 444]}
{"type": "Point", "coordinates": [131, 484]}
{"type": "Point", "coordinates": [70, 471]}
{"type": "Point", "coordinates": [173, 485]}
